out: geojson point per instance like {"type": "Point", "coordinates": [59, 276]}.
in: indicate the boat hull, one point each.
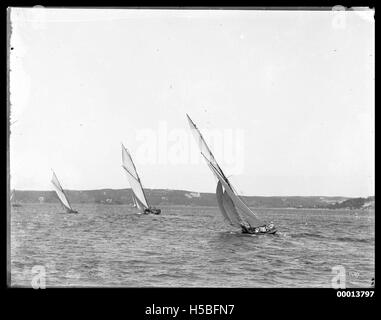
{"type": "Point", "coordinates": [271, 231]}
{"type": "Point", "coordinates": [72, 211]}
{"type": "Point", "coordinates": [261, 233]}
{"type": "Point", "coordinates": [152, 211]}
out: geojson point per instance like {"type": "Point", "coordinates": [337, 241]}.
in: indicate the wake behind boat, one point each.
{"type": "Point", "coordinates": [138, 196]}
{"type": "Point", "coordinates": [61, 195]}
{"type": "Point", "coordinates": [232, 207]}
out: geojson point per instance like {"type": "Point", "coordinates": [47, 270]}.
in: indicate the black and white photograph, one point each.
{"type": "Point", "coordinates": [191, 148]}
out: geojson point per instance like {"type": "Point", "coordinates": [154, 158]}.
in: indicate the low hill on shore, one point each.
{"type": "Point", "coordinates": [181, 197]}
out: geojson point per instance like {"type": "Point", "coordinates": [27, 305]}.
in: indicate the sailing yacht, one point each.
{"type": "Point", "coordinates": [138, 194]}
{"type": "Point", "coordinates": [13, 201]}
{"type": "Point", "coordinates": [232, 207]}
{"type": "Point", "coordinates": [61, 195]}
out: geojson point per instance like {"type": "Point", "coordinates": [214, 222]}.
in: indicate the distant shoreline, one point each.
{"type": "Point", "coordinates": [189, 191]}
{"type": "Point", "coordinates": [197, 206]}
{"type": "Point", "coordinates": [162, 197]}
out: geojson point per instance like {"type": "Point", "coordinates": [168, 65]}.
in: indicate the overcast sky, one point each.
{"type": "Point", "coordinates": [285, 99]}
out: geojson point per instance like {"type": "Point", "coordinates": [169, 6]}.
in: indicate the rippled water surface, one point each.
{"type": "Point", "coordinates": [110, 245]}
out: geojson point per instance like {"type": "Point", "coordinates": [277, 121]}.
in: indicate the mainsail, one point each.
{"type": "Point", "coordinates": [227, 207]}
{"type": "Point", "coordinates": [13, 200]}
{"type": "Point", "coordinates": [138, 204]}
{"type": "Point", "coordinates": [232, 207]}
{"type": "Point", "coordinates": [60, 193]}
{"type": "Point", "coordinates": [134, 180]}
{"type": "Point", "coordinates": [205, 151]}
{"type": "Point", "coordinates": [244, 212]}
{"type": "Point", "coordinates": [134, 201]}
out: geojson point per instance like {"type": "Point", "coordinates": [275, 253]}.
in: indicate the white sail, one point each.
{"type": "Point", "coordinates": [139, 205]}
{"type": "Point", "coordinates": [134, 201]}
{"type": "Point", "coordinates": [204, 149]}
{"type": "Point", "coordinates": [243, 210]}
{"type": "Point", "coordinates": [134, 179]}
{"type": "Point", "coordinates": [232, 206]}
{"type": "Point", "coordinates": [227, 207]}
{"type": "Point", "coordinates": [60, 192]}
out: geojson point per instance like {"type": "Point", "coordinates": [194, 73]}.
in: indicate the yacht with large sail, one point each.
{"type": "Point", "coordinates": [232, 207]}
{"type": "Point", "coordinates": [13, 200]}
{"type": "Point", "coordinates": [138, 194]}
{"type": "Point", "coordinates": [61, 195]}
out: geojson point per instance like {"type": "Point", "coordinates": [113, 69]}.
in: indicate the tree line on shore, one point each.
{"type": "Point", "coordinates": [182, 197]}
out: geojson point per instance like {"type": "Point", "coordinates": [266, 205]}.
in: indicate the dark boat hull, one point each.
{"type": "Point", "coordinates": [271, 231]}
{"type": "Point", "coordinates": [152, 211]}
{"type": "Point", "coordinates": [72, 211]}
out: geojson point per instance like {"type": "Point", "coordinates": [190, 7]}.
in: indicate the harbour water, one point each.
{"type": "Point", "coordinates": [112, 246]}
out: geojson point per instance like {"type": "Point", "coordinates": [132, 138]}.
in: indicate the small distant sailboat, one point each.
{"type": "Point", "coordinates": [13, 201]}
{"type": "Point", "coordinates": [232, 207]}
{"type": "Point", "coordinates": [138, 195]}
{"type": "Point", "coordinates": [61, 195]}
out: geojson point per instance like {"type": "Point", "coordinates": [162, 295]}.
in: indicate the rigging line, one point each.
{"type": "Point", "coordinates": [128, 171]}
